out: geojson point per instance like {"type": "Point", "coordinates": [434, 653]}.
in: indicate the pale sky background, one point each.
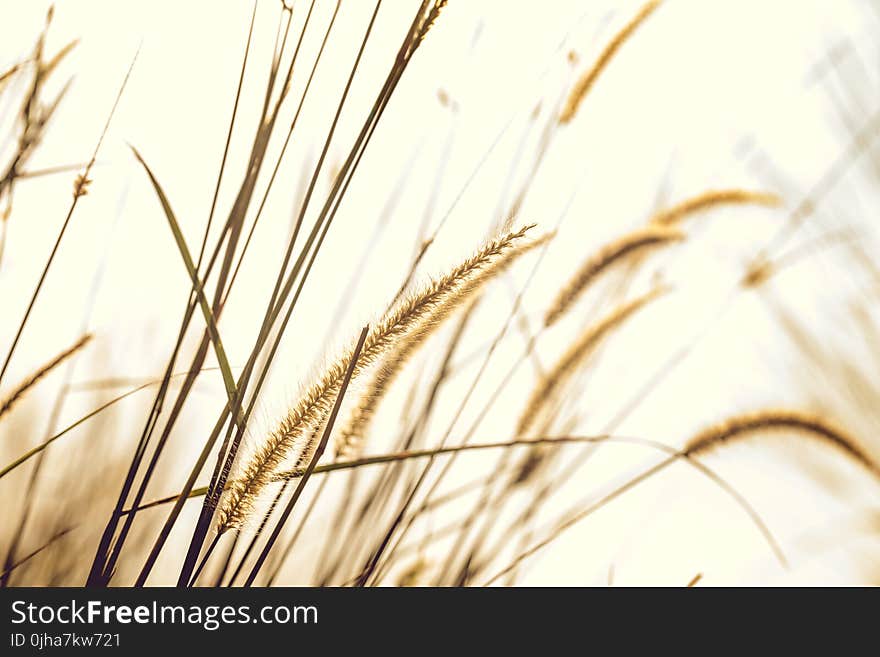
{"type": "Point", "coordinates": [707, 94]}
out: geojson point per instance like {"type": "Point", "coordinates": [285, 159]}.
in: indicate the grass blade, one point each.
{"type": "Point", "coordinates": [213, 332]}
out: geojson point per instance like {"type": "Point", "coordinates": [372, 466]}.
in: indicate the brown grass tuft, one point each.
{"type": "Point", "coordinates": [711, 199]}
{"type": "Point", "coordinates": [588, 79]}
{"type": "Point", "coordinates": [430, 18]}
{"type": "Point", "coordinates": [637, 241]}
{"type": "Point", "coordinates": [81, 186]}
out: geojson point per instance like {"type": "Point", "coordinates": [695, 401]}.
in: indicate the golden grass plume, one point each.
{"type": "Point", "coordinates": [350, 439]}
{"type": "Point", "coordinates": [569, 362]}
{"type": "Point", "coordinates": [710, 199]}
{"type": "Point", "coordinates": [638, 241]}
{"type": "Point", "coordinates": [808, 424]}
{"type": "Point", "coordinates": [300, 426]}
{"type": "Point", "coordinates": [22, 388]}
{"type": "Point", "coordinates": [588, 79]}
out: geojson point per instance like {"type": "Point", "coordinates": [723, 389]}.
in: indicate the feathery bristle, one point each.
{"type": "Point", "coordinates": [635, 242]}
{"type": "Point", "coordinates": [575, 355]}
{"type": "Point", "coordinates": [710, 199]}
{"type": "Point", "coordinates": [588, 79]}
